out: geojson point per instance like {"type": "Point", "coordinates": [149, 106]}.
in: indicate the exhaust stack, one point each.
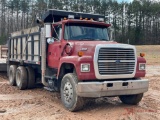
{"type": "Point", "coordinates": [43, 56]}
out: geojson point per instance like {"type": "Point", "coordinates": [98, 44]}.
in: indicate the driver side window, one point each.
{"type": "Point", "coordinates": [57, 30]}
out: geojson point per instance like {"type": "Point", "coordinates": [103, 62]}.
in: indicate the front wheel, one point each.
{"type": "Point", "coordinates": [69, 97]}
{"type": "Point", "coordinates": [131, 99]}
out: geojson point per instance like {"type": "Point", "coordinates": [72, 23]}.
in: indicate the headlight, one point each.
{"type": "Point", "coordinates": [142, 66]}
{"type": "Point", "coordinates": [85, 67]}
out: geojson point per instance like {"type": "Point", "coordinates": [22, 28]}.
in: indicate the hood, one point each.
{"type": "Point", "coordinates": [88, 47]}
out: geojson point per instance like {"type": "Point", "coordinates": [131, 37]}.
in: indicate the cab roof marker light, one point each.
{"type": "Point", "coordinates": [65, 18]}
{"type": "Point", "coordinates": [91, 19]}
{"type": "Point", "coordinates": [70, 16]}
{"type": "Point", "coordinates": [101, 19]}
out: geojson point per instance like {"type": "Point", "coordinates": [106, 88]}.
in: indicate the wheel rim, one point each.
{"type": "Point", "coordinates": [68, 92]}
{"type": "Point", "coordinates": [18, 78]}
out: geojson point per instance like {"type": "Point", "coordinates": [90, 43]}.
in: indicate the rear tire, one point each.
{"type": "Point", "coordinates": [31, 77]}
{"type": "Point", "coordinates": [69, 97]}
{"type": "Point", "coordinates": [12, 75]}
{"type": "Point", "coordinates": [21, 78]}
{"type": "Point", "coordinates": [131, 99]}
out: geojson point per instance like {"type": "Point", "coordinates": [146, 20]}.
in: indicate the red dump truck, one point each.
{"type": "Point", "coordinates": [71, 52]}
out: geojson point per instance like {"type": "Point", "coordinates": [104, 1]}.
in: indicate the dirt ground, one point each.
{"type": "Point", "coordinates": [39, 104]}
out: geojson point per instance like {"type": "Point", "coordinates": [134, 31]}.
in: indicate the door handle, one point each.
{"type": "Point", "coordinates": [49, 53]}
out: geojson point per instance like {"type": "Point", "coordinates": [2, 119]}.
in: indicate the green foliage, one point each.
{"type": "Point", "coordinates": [3, 39]}
{"type": "Point", "coordinates": [136, 22]}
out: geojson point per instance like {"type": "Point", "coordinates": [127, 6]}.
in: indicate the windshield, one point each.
{"type": "Point", "coordinates": [81, 31]}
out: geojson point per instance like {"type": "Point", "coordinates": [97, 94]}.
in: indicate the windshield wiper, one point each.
{"type": "Point", "coordinates": [86, 38]}
{"type": "Point", "coordinates": [101, 39]}
{"type": "Point", "coordinates": [92, 39]}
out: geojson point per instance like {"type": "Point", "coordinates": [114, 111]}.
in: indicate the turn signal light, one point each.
{"type": "Point", "coordinates": [65, 18]}
{"type": "Point", "coordinates": [80, 53]}
{"type": "Point", "coordinates": [142, 54]}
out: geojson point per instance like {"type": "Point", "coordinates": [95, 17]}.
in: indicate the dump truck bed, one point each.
{"type": "Point", "coordinates": [3, 57]}
{"type": "Point", "coordinates": [25, 46]}
{"type": "Point", "coordinates": [3, 65]}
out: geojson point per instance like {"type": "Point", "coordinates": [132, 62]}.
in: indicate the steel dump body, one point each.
{"type": "Point", "coordinates": [25, 46]}
{"type": "Point", "coordinates": [3, 56]}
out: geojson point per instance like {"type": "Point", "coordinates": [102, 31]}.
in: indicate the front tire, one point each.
{"type": "Point", "coordinates": [131, 99]}
{"type": "Point", "coordinates": [21, 78]}
{"type": "Point", "coordinates": [69, 97]}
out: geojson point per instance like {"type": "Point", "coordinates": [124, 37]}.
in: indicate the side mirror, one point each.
{"type": "Point", "coordinates": [50, 40]}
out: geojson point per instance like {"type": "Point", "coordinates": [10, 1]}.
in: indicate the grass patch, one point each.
{"type": "Point", "coordinates": [152, 53]}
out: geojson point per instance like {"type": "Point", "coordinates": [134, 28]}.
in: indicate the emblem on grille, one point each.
{"type": "Point", "coordinates": [118, 61]}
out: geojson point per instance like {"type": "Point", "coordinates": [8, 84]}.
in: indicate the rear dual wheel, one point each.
{"type": "Point", "coordinates": [22, 77]}
{"type": "Point", "coordinates": [12, 75]}
{"type": "Point", "coordinates": [31, 77]}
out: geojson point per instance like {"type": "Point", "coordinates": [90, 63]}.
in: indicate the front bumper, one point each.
{"type": "Point", "coordinates": [112, 88]}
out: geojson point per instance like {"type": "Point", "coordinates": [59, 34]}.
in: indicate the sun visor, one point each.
{"type": "Point", "coordinates": [53, 15]}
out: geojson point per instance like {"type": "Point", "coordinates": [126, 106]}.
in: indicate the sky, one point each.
{"type": "Point", "coordinates": [125, 0]}
{"type": "Point", "coordinates": [132, 0]}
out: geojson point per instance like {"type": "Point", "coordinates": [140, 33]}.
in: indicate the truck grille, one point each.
{"type": "Point", "coordinates": [112, 61]}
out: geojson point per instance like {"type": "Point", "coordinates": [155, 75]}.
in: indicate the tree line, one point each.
{"type": "Point", "coordinates": [137, 22]}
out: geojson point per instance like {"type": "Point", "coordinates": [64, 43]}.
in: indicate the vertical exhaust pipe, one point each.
{"type": "Point", "coordinates": [45, 33]}
{"type": "Point", "coordinates": [43, 56]}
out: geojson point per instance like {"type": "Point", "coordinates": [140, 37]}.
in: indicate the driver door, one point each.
{"type": "Point", "coordinates": [54, 49]}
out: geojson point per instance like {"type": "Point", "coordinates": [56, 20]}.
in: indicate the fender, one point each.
{"type": "Point", "coordinates": [76, 61]}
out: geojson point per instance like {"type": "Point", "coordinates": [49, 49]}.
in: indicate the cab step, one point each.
{"type": "Point", "coordinates": [52, 83]}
